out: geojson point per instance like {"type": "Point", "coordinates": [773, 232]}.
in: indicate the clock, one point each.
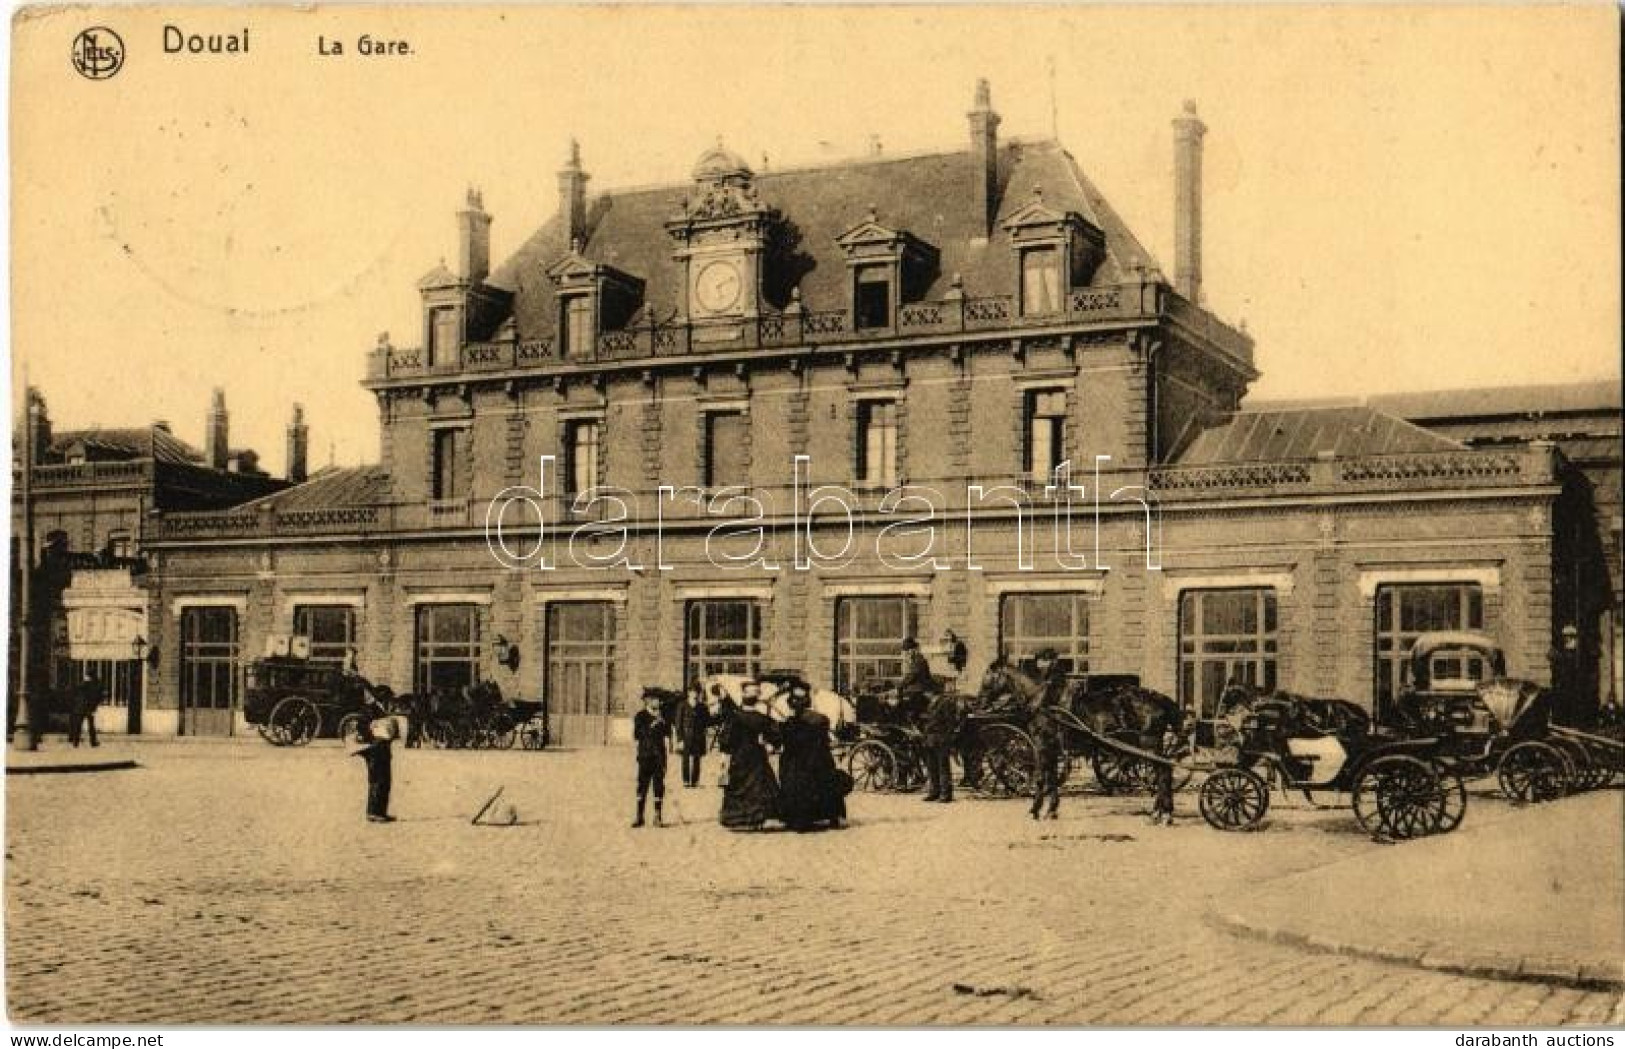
{"type": "Point", "coordinates": [717, 287]}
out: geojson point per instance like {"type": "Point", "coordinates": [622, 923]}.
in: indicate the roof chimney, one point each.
{"type": "Point", "coordinates": [984, 145]}
{"type": "Point", "coordinates": [298, 445]}
{"type": "Point", "coordinates": [573, 196]}
{"type": "Point", "coordinates": [1188, 132]}
{"type": "Point", "coordinates": [216, 446]}
{"type": "Point", "coordinates": [473, 239]}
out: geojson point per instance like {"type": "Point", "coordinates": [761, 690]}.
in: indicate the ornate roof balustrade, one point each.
{"type": "Point", "coordinates": [111, 472]}
{"type": "Point", "coordinates": [957, 314]}
{"type": "Point", "coordinates": [1534, 464]}
{"type": "Point", "coordinates": [1531, 466]}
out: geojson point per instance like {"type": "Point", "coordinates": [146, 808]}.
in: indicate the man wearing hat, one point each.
{"type": "Point", "coordinates": [943, 720]}
{"type": "Point", "coordinates": [1048, 734]}
{"type": "Point", "coordinates": [918, 685]}
{"type": "Point", "coordinates": [652, 734]}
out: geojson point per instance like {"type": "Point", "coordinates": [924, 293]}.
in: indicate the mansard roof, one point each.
{"type": "Point", "coordinates": [127, 443]}
{"type": "Point", "coordinates": [333, 487]}
{"type": "Point", "coordinates": [1489, 401]}
{"type": "Point", "coordinates": [1305, 433]}
{"type": "Point", "coordinates": [930, 196]}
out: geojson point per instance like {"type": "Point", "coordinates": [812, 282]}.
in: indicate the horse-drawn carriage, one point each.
{"type": "Point", "coordinates": [1490, 724]}
{"type": "Point", "coordinates": [1107, 720]}
{"type": "Point", "coordinates": [883, 746]}
{"type": "Point", "coordinates": [1398, 788]}
{"type": "Point", "coordinates": [292, 700]}
{"type": "Point", "coordinates": [479, 717]}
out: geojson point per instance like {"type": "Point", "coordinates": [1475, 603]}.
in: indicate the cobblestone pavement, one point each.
{"type": "Point", "coordinates": [238, 883]}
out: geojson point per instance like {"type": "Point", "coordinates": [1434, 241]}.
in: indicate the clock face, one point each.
{"type": "Point", "coordinates": [718, 286]}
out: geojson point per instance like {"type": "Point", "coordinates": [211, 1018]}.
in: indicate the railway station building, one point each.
{"type": "Point", "coordinates": [787, 376]}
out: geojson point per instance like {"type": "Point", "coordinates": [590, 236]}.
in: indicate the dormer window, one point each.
{"type": "Point", "coordinates": [442, 335]}
{"type": "Point", "coordinates": [576, 328]}
{"type": "Point", "coordinates": [593, 298]}
{"type": "Point", "coordinates": [1040, 281]}
{"type": "Point", "coordinates": [1056, 251]}
{"type": "Point", "coordinates": [889, 267]}
{"type": "Point", "coordinates": [872, 297]}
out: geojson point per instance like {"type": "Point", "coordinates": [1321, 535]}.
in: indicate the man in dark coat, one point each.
{"type": "Point", "coordinates": [87, 696]}
{"type": "Point", "coordinates": [376, 751]}
{"type": "Point", "coordinates": [651, 733]}
{"type": "Point", "coordinates": [693, 734]}
{"type": "Point", "coordinates": [1048, 734]}
{"type": "Point", "coordinates": [940, 729]}
{"type": "Point", "coordinates": [914, 692]}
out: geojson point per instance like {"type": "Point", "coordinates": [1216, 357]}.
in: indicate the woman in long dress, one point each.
{"type": "Point", "coordinates": [751, 797]}
{"type": "Point", "coordinates": [812, 790]}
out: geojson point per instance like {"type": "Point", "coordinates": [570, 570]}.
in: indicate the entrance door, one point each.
{"type": "Point", "coordinates": [580, 686]}
{"type": "Point", "coordinates": [209, 658]}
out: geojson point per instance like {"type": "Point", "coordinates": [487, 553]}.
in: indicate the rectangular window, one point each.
{"type": "Point", "coordinates": [724, 637]}
{"type": "Point", "coordinates": [448, 647]}
{"type": "Point", "coordinates": [1405, 612]}
{"type": "Point", "coordinates": [120, 678]}
{"type": "Point", "coordinates": [1046, 432]}
{"type": "Point", "coordinates": [871, 298]}
{"type": "Point", "coordinates": [580, 667]}
{"type": "Point", "coordinates": [119, 544]}
{"type": "Point", "coordinates": [581, 456]}
{"type": "Point", "coordinates": [1040, 282]}
{"type": "Point", "coordinates": [330, 628]}
{"type": "Point", "coordinates": [725, 449]}
{"type": "Point", "coordinates": [445, 482]}
{"type": "Point", "coordinates": [576, 322]}
{"type": "Point", "coordinates": [442, 336]}
{"type": "Point", "coordinates": [869, 633]}
{"type": "Point", "coordinates": [1030, 623]}
{"type": "Point", "coordinates": [208, 655]}
{"type": "Point", "coordinates": [877, 443]}
{"type": "Point", "coordinates": [1225, 636]}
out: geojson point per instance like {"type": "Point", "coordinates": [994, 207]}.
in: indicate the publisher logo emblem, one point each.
{"type": "Point", "coordinates": [98, 53]}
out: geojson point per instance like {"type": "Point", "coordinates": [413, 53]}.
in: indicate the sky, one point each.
{"type": "Point", "coordinates": [1396, 198]}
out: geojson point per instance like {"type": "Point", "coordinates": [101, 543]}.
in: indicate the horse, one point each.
{"type": "Point", "coordinates": [774, 698]}
{"type": "Point", "coordinates": [1122, 712]}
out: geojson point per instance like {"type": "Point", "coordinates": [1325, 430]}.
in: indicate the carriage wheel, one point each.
{"type": "Point", "coordinates": [872, 766]}
{"type": "Point", "coordinates": [1401, 797]}
{"type": "Point", "coordinates": [1233, 799]}
{"type": "Point", "coordinates": [1455, 801]}
{"type": "Point", "coordinates": [270, 734]}
{"type": "Point", "coordinates": [296, 720]}
{"type": "Point", "coordinates": [1583, 771]}
{"type": "Point", "coordinates": [349, 725]}
{"type": "Point", "coordinates": [1532, 772]}
{"type": "Point", "coordinates": [1117, 772]}
{"type": "Point", "coordinates": [504, 734]}
{"type": "Point", "coordinates": [1008, 761]}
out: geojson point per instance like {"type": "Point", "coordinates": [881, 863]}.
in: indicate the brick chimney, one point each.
{"type": "Point", "coordinates": [473, 239]}
{"type": "Point", "coordinates": [984, 146]}
{"type": "Point", "coordinates": [216, 434]}
{"type": "Point", "coordinates": [573, 195]}
{"type": "Point", "coordinates": [1188, 132]}
{"type": "Point", "coordinates": [298, 446]}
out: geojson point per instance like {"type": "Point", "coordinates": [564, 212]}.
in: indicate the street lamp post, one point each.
{"type": "Point", "coordinates": [25, 588]}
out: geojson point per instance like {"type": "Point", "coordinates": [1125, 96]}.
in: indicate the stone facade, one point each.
{"type": "Point", "coordinates": [949, 341]}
